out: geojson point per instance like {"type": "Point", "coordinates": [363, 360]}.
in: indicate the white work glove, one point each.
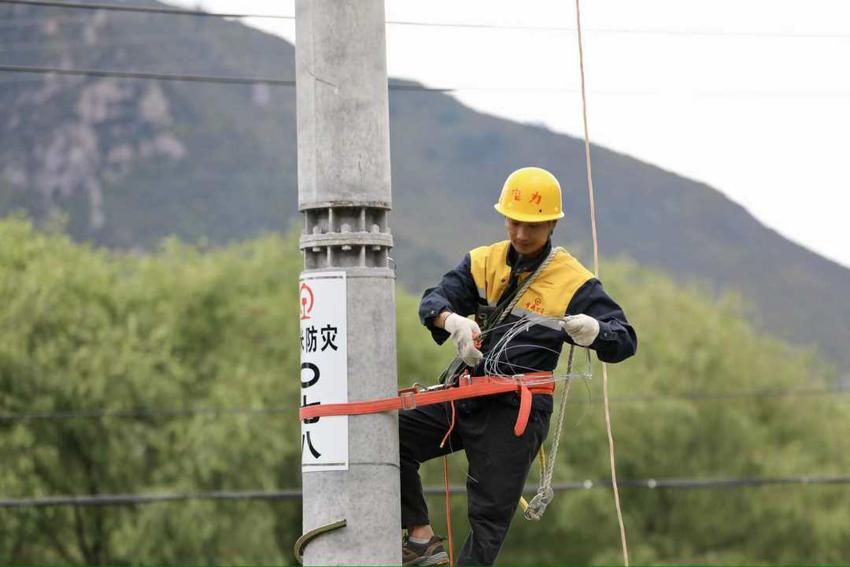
{"type": "Point", "coordinates": [464, 334]}
{"type": "Point", "coordinates": [581, 328]}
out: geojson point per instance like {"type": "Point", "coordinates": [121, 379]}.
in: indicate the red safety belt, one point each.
{"type": "Point", "coordinates": [468, 387]}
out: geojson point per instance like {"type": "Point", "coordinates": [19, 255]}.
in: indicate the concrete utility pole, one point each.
{"type": "Point", "coordinates": [344, 195]}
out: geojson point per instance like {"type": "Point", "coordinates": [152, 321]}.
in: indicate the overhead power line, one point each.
{"type": "Point", "coordinates": [414, 23]}
{"type": "Point", "coordinates": [17, 23]}
{"type": "Point", "coordinates": [722, 396]}
{"type": "Point", "coordinates": [134, 499]}
{"type": "Point", "coordinates": [141, 9]}
{"type": "Point", "coordinates": [212, 79]}
{"type": "Point", "coordinates": [295, 493]}
{"type": "Point", "coordinates": [144, 75]}
{"type": "Point", "coordinates": [704, 484]}
{"type": "Point", "coordinates": [157, 40]}
{"type": "Point", "coordinates": [141, 413]}
{"type": "Point", "coordinates": [134, 40]}
{"type": "Point", "coordinates": [183, 77]}
{"type": "Point", "coordinates": [619, 31]}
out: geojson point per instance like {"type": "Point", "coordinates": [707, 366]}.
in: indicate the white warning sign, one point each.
{"type": "Point", "coordinates": [324, 369]}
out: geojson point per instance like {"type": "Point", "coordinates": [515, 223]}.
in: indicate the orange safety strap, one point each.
{"type": "Point", "coordinates": [468, 387]}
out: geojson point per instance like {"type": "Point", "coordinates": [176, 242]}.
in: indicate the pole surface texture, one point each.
{"type": "Point", "coordinates": [344, 196]}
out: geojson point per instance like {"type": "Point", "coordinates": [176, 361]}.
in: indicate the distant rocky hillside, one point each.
{"type": "Point", "coordinates": [130, 161]}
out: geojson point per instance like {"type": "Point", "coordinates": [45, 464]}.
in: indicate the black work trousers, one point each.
{"type": "Point", "coordinates": [498, 465]}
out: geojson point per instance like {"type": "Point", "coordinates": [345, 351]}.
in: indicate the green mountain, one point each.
{"type": "Point", "coordinates": [129, 161]}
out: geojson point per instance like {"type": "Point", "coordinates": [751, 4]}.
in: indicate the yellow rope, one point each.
{"type": "Point", "coordinates": [541, 461]}
{"type": "Point", "coordinates": [596, 271]}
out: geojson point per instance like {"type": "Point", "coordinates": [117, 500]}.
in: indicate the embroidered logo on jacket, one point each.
{"type": "Point", "coordinates": [536, 305]}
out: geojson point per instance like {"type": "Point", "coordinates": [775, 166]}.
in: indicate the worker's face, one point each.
{"type": "Point", "coordinates": [529, 238]}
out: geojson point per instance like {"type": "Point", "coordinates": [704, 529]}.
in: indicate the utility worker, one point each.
{"type": "Point", "coordinates": [564, 302]}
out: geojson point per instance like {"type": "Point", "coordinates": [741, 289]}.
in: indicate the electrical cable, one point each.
{"type": "Point", "coordinates": [135, 499]}
{"type": "Point", "coordinates": [17, 22]}
{"type": "Point", "coordinates": [26, 69]}
{"type": "Point", "coordinates": [145, 75]}
{"type": "Point", "coordinates": [605, 400]}
{"type": "Point", "coordinates": [158, 40]}
{"type": "Point", "coordinates": [412, 23]}
{"type": "Point", "coordinates": [141, 9]}
{"type": "Point", "coordinates": [729, 483]}
{"type": "Point", "coordinates": [621, 31]}
{"type": "Point", "coordinates": [140, 413]}
{"type": "Point", "coordinates": [183, 77]}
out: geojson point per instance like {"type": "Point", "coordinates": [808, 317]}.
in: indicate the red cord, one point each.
{"type": "Point", "coordinates": [448, 505]}
{"type": "Point", "coordinates": [451, 426]}
{"type": "Point", "coordinates": [446, 478]}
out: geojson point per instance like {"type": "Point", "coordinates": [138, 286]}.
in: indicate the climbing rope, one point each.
{"type": "Point", "coordinates": [596, 271]}
{"type": "Point", "coordinates": [534, 510]}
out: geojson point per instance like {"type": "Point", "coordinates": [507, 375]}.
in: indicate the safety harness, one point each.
{"type": "Point", "coordinates": [467, 387]}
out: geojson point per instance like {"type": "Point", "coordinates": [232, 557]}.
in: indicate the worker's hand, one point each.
{"type": "Point", "coordinates": [581, 328]}
{"type": "Point", "coordinates": [465, 332]}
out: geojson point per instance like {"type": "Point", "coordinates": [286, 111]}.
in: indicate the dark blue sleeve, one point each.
{"type": "Point", "coordinates": [456, 292]}
{"type": "Point", "coordinates": [617, 339]}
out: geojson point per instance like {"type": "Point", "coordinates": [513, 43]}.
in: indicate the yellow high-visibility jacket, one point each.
{"type": "Point", "coordinates": [489, 275]}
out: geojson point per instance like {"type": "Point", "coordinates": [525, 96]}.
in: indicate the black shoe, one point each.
{"type": "Point", "coordinates": [431, 553]}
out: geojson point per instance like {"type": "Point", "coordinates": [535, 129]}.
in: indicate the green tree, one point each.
{"type": "Point", "coordinates": [178, 330]}
{"type": "Point", "coordinates": [187, 328]}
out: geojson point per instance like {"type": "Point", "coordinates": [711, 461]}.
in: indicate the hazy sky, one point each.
{"type": "Point", "coordinates": [751, 97]}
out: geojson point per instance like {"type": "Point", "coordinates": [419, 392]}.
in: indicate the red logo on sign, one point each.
{"type": "Point", "coordinates": [307, 301]}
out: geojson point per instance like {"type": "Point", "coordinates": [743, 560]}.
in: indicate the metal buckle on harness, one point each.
{"type": "Point", "coordinates": [408, 399]}
{"type": "Point", "coordinates": [466, 377]}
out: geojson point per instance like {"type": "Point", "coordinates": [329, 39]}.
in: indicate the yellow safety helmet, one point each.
{"type": "Point", "coordinates": [531, 194]}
